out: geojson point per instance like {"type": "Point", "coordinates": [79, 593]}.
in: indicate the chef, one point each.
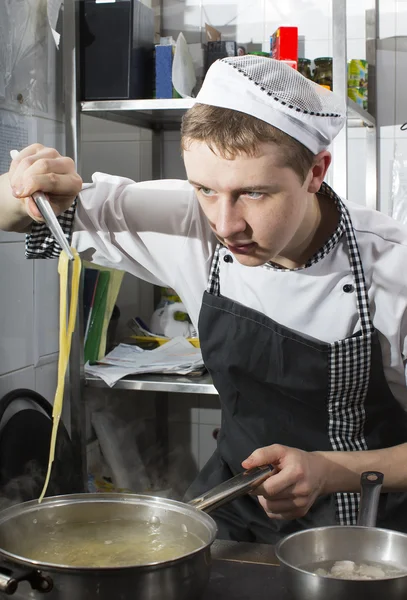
{"type": "Point", "coordinates": [299, 296]}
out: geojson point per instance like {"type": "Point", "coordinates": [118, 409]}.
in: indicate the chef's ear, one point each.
{"type": "Point", "coordinates": [318, 171]}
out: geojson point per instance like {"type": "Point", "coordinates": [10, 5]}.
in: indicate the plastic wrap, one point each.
{"type": "Point", "coordinates": [399, 188]}
{"type": "Point", "coordinates": [24, 33]}
{"type": "Point", "coordinates": [16, 131]}
{"type": "Point", "coordinates": [183, 72]}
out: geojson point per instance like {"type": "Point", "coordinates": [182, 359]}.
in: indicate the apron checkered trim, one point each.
{"type": "Point", "coordinates": [213, 281]}
{"type": "Point", "coordinates": [39, 243]}
{"type": "Point", "coordinates": [349, 359]}
{"type": "Point", "coordinates": [349, 379]}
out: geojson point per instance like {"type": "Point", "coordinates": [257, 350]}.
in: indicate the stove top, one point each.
{"type": "Point", "coordinates": [234, 580]}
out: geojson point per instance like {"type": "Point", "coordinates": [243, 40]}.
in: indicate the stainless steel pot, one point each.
{"type": "Point", "coordinates": [180, 579]}
{"type": "Point", "coordinates": [300, 553]}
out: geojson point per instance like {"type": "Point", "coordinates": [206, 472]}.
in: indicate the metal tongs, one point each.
{"type": "Point", "coordinates": [49, 217]}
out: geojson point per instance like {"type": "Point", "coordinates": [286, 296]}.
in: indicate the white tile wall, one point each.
{"type": "Point", "coordinates": [401, 21]}
{"type": "Point", "coordinates": [29, 289]}
{"type": "Point", "coordinates": [312, 17]}
{"type": "Point", "coordinates": [357, 165]}
{"type": "Point", "coordinates": [124, 150]}
{"type": "Point", "coordinates": [387, 147]}
{"type": "Point", "coordinates": [173, 166]}
{"type": "Point", "coordinates": [356, 19]}
{"type": "Point", "coordinates": [24, 378]}
{"type": "Point", "coordinates": [392, 95]}
{"type": "Point", "coordinates": [46, 307]}
{"type": "Point", "coordinates": [17, 314]}
{"type": "Point", "coordinates": [117, 148]}
{"type": "Point", "coordinates": [46, 380]}
{"type": "Point", "coordinates": [10, 236]}
{"type": "Point", "coordinates": [183, 457]}
{"type": "Point", "coordinates": [207, 444]}
{"type": "Point", "coordinates": [387, 18]}
{"type": "Point", "coordinates": [400, 104]}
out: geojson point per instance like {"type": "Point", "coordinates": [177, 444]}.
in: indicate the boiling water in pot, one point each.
{"type": "Point", "coordinates": [110, 543]}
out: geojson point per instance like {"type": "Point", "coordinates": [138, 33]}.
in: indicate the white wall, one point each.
{"type": "Point", "coordinates": [193, 418]}
{"type": "Point", "coordinates": [29, 295]}
{"type": "Point", "coordinates": [392, 105]}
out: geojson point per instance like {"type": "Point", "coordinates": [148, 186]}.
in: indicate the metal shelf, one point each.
{"type": "Point", "coordinates": [358, 114]}
{"type": "Point", "coordinates": [160, 383]}
{"type": "Point", "coordinates": [168, 112]}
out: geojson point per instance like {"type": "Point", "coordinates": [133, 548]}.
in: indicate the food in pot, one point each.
{"type": "Point", "coordinates": [110, 543]}
{"type": "Point", "coordinates": [347, 569]}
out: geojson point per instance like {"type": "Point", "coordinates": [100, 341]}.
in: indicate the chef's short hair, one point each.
{"type": "Point", "coordinates": [230, 133]}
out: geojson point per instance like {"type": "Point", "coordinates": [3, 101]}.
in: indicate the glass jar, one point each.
{"type": "Point", "coordinates": [323, 71]}
{"type": "Point", "coordinates": [304, 67]}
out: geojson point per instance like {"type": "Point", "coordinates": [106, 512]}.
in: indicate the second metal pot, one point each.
{"type": "Point", "coordinates": [300, 553]}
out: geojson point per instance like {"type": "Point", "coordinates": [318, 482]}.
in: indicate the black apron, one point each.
{"type": "Point", "coordinates": [278, 386]}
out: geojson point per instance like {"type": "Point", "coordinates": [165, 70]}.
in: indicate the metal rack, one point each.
{"type": "Point", "coordinates": [161, 115]}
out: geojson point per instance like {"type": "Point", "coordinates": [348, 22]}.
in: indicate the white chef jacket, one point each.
{"type": "Point", "coordinates": [157, 231]}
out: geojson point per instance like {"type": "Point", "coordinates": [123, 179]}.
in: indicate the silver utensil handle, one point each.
{"type": "Point", "coordinates": [49, 217]}
{"type": "Point", "coordinates": [232, 488]}
{"type": "Point", "coordinates": [371, 485]}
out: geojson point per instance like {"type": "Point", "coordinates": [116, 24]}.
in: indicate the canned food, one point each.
{"type": "Point", "coordinates": [357, 73]}
{"type": "Point", "coordinates": [358, 95]}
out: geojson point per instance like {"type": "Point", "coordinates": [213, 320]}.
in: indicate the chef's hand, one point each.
{"type": "Point", "coordinates": [37, 168]}
{"type": "Point", "coordinates": [297, 480]}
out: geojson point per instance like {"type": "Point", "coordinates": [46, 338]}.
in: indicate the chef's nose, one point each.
{"type": "Point", "coordinates": [229, 219]}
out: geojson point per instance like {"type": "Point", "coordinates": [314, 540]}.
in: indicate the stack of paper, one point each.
{"type": "Point", "coordinates": [177, 356]}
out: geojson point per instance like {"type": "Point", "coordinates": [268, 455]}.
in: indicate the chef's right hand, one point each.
{"type": "Point", "coordinates": [38, 168]}
{"type": "Point", "coordinates": [297, 480]}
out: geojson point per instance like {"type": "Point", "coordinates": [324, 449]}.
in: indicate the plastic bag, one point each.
{"type": "Point", "coordinates": [183, 72]}
{"type": "Point", "coordinates": [24, 31]}
{"type": "Point", "coordinates": [399, 188]}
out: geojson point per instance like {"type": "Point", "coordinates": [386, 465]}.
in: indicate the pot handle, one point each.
{"type": "Point", "coordinates": [371, 484]}
{"type": "Point", "coordinates": [11, 577]}
{"type": "Point", "coordinates": [232, 488]}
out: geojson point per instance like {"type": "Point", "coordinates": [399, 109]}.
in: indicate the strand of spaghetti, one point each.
{"type": "Point", "coordinates": [65, 340]}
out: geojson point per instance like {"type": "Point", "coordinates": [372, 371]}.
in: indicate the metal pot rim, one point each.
{"type": "Point", "coordinates": [18, 510]}
{"type": "Point", "coordinates": [298, 534]}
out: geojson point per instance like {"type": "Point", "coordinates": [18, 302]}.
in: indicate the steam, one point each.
{"type": "Point", "coordinates": [131, 454]}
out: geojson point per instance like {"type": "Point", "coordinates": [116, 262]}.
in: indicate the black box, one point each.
{"type": "Point", "coordinates": [116, 50]}
{"type": "Point", "coordinates": [217, 50]}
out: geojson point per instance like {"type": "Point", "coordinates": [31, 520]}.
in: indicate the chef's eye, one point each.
{"type": "Point", "coordinates": [206, 191]}
{"type": "Point", "coordinates": [254, 195]}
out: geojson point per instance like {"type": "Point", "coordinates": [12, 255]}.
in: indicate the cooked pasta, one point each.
{"type": "Point", "coordinates": [65, 339]}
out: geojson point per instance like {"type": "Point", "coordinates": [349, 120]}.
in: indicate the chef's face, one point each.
{"type": "Point", "coordinates": [260, 210]}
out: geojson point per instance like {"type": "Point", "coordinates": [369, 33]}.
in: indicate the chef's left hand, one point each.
{"type": "Point", "coordinates": [297, 480]}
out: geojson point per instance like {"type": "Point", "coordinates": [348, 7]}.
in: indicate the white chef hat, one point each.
{"type": "Point", "coordinates": [277, 94]}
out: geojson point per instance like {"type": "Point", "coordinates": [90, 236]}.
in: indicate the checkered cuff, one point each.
{"type": "Point", "coordinates": [41, 244]}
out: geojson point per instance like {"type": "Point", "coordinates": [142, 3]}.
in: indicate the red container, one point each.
{"type": "Point", "coordinates": [284, 45]}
